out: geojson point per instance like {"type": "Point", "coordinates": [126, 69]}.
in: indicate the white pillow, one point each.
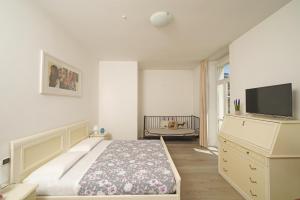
{"type": "Point", "coordinates": [56, 168]}
{"type": "Point", "coordinates": [86, 144]}
{"type": "Point", "coordinates": [164, 124]}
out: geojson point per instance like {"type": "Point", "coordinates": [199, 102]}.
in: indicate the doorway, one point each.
{"type": "Point", "coordinates": [223, 92]}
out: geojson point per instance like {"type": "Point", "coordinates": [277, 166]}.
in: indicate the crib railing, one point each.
{"type": "Point", "coordinates": [192, 122]}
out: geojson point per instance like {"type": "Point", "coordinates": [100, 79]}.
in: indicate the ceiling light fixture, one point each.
{"type": "Point", "coordinates": [161, 18]}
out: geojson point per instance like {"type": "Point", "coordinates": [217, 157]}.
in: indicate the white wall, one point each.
{"type": "Point", "coordinates": [166, 92]}
{"type": "Point", "coordinates": [196, 92]}
{"type": "Point", "coordinates": [268, 54]}
{"type": "Point", "coordinates": [177, 92]}
{"type": "Point", "coordinates": [24, 31]}
{"type": "Point", "coordinates": [118, 98]}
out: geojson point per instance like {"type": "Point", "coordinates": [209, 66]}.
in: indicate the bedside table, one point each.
{"type": "Point", "coordinates": [19, 192]}
{"type": "Point", "coordinates": [105, 136]}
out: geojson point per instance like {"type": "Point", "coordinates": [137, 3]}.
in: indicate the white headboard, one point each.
{"type": "Point", "coordinates": [29, 153]}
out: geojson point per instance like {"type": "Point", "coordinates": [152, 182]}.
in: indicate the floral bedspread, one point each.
{"type": "Point", "coordinates": [129, 167]}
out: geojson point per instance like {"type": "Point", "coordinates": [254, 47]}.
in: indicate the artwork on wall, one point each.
{"type": "Point", "coordinates": [59, 78]}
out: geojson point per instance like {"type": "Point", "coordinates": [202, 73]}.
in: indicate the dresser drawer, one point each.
{"type": "Point", "coordinates": [239, 171]}
{"type": "Point", "coordinates": [256, 157]}
{"type": "Point", "coordinates": [226, 144]}
{"type": "Point", "coordinates": [222, 140]}
{"type": "Point", "coordinates": [255, 194]}
{"type": "Point", "coordinates": [256, 191]}
{"type": "Point", "coordinates": [251, 155]}
{"type": "Point", "coordinates": [248, 174]}
{"type": "Point", "coordinates": [223, 165]}
{"type": "Point", "coordinates": [254, 167]}
{"type": "Point", "coordinates": [243, 167]}
{"type": "Point", "coordinates": [258, 132]}
{"type": "Point", "coordinates": [256, 172]}
{"type": "Point", "coordinates": [223, 143]}
{"type": "Point", "coordinates": [224, 168]}
{"type": "Point", "coordinates": [232, 126]}
{"type": "Point", "coordinates": [256, 178]}
{"type": "Point", "coordinates": [224, 148]}
{"type": "Point", "coordinates": [224, 160]}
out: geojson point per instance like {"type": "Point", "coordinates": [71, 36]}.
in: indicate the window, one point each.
{"type": "Point", "coordinates": [223, 92]}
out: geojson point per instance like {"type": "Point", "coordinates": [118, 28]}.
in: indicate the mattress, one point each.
{"type": "Point", "coordinates": [173, 132]}
{"type": "Point", "coordinates": [114, 168]}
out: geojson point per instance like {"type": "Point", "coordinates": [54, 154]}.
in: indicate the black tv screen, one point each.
{"type": "Point", "coordinates": [270, 100]}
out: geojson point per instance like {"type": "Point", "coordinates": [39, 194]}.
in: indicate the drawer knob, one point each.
{"type": "Point", "coordinates": [252, 194]}
{"type": "Point", "coordinates": [251, 167]}
{"type": "Point", "coordinates": [224, 160]}
{"type": "Point", "coordinates": [224, 169]}
{"type": "Point", "coordinates": [252, 181]}
{"type": "Point", "coordinates": [224, 150]}
{"type": "Point", "coordinates": [243, 124]}
{"type": "Point", "coordinates": [225, 141]}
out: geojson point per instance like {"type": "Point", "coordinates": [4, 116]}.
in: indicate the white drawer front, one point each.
{"type": "Point", "coordinates": [260, 133]}
{"type": "Point", "coordinates": [232, 126]}
{"type": "Point", "coordinates": [256, 178]}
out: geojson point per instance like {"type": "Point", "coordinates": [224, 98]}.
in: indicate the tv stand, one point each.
{"type": "Point", "coordinates": [260, 156]}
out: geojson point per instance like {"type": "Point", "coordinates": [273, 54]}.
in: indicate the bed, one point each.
{"type": "Point", "coordinates": [156, 126]}
{"type": "Point", "coordinates": [116, 169]}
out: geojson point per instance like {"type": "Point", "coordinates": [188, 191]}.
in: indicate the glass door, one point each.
{"type": "Point", "coordinates": [223, 93]}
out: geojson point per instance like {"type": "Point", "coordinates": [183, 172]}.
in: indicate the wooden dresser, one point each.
{"type": "Point", "coordinates": [260, 157]}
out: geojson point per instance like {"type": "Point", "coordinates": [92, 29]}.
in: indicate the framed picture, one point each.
{"type": "Point", "coordinates": [58, 77]}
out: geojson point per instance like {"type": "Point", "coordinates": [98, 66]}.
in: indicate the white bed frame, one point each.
{"type": "Point", "coordinates": [29, 153]}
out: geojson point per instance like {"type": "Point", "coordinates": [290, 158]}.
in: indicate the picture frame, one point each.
{"type": "Point", "coordinates": [58, 77]}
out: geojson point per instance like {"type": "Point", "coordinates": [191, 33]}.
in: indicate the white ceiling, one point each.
{"type": "Point", "coordinates": [199, 28]}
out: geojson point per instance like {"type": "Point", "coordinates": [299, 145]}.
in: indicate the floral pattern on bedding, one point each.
{"type": "Point", "coordinates": [129, 167]}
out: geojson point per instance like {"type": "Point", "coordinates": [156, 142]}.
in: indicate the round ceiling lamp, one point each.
{"type": "Point", "coordinates": [161, 18]}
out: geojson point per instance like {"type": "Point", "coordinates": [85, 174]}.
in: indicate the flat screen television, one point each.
{"type": "Point", "coordinates": [270, 100]}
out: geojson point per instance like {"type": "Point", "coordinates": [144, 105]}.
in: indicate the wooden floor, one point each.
{"type": "Point", "coordinates": [199, 173]}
